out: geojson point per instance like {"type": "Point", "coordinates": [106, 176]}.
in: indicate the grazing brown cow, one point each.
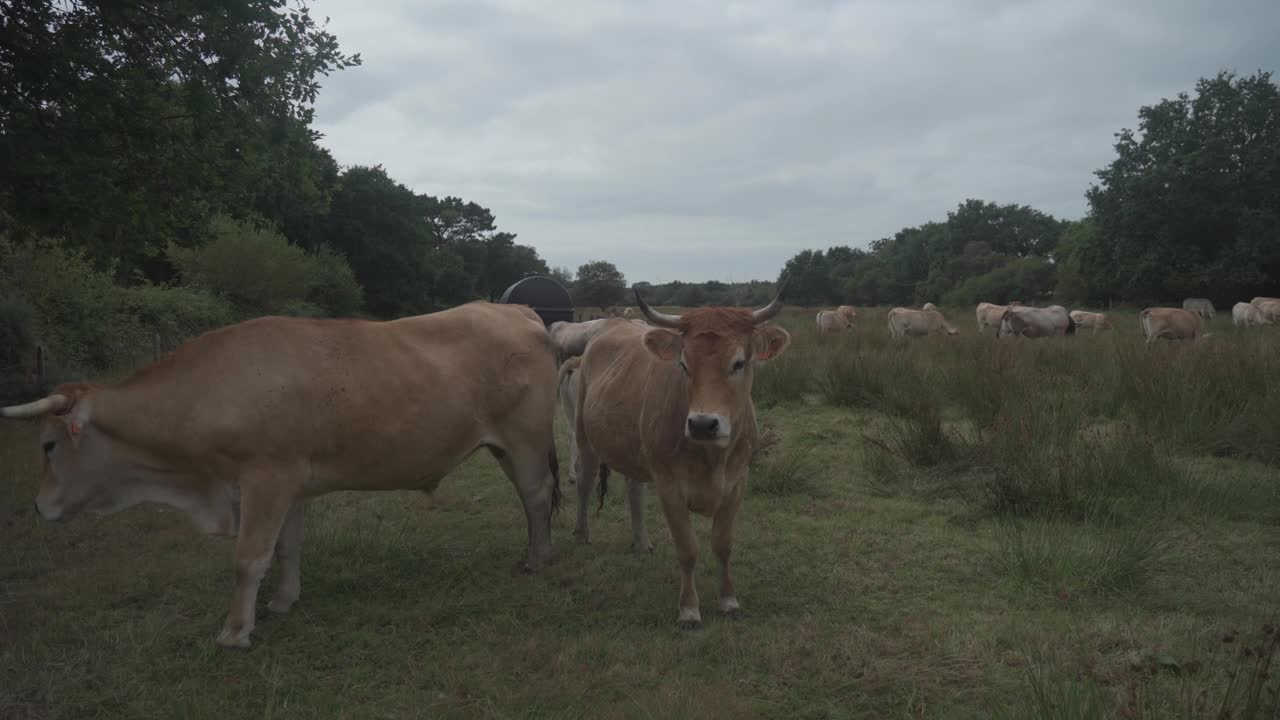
{"type": "Point", "coordinates": [1259, 300]}
{"type": "Point", "coordinates": [672, 405]}
{"type": "Point", "coordinates": [270, 412]}
{"type": "Point", "coordinates": [1203, 306]}
{"type": "Point", "coordinates": [1097, 321]}
{"type": "Point", "coordinates": [1171, 323]}
{"type": "Point", "coordinates": [833, 321]}
{"type": "Point", "coordinates": [903, 321]}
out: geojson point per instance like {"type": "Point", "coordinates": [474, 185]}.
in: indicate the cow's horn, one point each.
{"type": "Point", "coordinates": [53, 403]}
{"type": "Point", "coordinates": [657, 318]}
{"type": "Point", "coordinates": [768, 311]}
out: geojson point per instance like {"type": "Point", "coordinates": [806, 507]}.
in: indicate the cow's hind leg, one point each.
{"type": "Point", "coordinates": [678, 522]}
{"type": "Point", "coordinates": [289, 555]}
{"type": "Point", "coordinates": [529, 470]}
{"type": "Point", "coordinates": [264, 503]}
{"type": "Point", "coordinates": [639, 534]}
{"type": "Point", "coordinates": [588, 471]}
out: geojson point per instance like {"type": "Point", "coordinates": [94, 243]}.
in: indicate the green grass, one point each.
{"type": "Point", "coordinates": [940, 527]}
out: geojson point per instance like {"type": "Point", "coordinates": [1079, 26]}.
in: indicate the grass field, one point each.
{"type": "Point", "coordinates": [944, 527]}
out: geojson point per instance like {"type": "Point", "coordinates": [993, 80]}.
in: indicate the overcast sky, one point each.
{"type": "Point", "coordinates": [696, 140]}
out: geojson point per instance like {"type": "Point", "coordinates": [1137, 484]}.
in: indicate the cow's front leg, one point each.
{"type": "Point", "coordinates": [673, 506]}
{"type": "Point", "coordinates": [639, 533]}
{"type": "Point", "coordinates": [722, 545]}
{"type": "Point", "coordinates": [263, 507]}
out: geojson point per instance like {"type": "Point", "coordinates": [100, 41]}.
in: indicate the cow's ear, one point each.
{"type": "Point", "coordinates": [769, 341]}
{"type": "Point", "coordinates": [664, 344]}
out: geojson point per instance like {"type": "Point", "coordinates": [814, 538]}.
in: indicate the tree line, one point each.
{"type": "Point", "coordinates": [1189, 207]}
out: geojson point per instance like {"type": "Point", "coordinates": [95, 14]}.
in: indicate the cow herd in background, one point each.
{"type": "Point", "coordinates": [1018, 320]}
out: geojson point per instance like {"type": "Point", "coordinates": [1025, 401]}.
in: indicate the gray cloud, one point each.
{"type": "Point", "coordinates": [699, 139]}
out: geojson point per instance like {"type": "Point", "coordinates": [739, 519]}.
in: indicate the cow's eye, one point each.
{"type": "Point", "coordinates": [738, 365]}
{"type": "Point", "coordinates": [48, 447]}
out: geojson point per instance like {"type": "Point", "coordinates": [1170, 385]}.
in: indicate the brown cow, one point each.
{"type": "Point", "coordinates": [903, 321]}
{"type": "Point", "coordinates": [989, 315]}
{"type": "Point", "coordinates": [1270, 309]}
{"type": "Point", "coordinates": [834, 321]}
{"type": "Point", "coordinates": [570, 387]}
{"type": "Point", "coordinates": [1171, 323]}
{"type": "Point", "coordinates": [270, 412]}
{"type": "Point", "coordinates": [1085, 319]}
{"type": "Point", "coordinates": [672, 405]}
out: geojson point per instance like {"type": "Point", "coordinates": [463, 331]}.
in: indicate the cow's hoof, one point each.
{"type": "Point", "coordinates": [583, 536]}
{"type": "Point", "coordinates": [233, 641]}
{"type": "Point", "coordinates": [642, 549]}
{"type": "Point", "coordinates": [280, 607]}
{"type": "Point", "coordinates": [734, 614]}
{"type": "Point", "coordinates": [689, 625]}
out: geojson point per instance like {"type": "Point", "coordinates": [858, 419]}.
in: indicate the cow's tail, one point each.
{"type": "Point", "coordinates": [1071, 325]}
{"type": "Point", "coordinates": [604, 484]}
{"type": "Point", "coordinates": [1145, 323]}
{"type": "Point", "coordinates": [553, 463]}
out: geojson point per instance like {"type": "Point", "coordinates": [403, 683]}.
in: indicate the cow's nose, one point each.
{"type": "Point", "coordinates": [704, 426]}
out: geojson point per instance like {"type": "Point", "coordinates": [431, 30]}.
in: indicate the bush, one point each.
{"type": "Point", "coordinates": [17, 333]}
{"type": "Point", "coordinates": [177, 313]}
{"type": "Point", "coordinates": [80, 310]}
{"type": "Point", "coordinates": [333, 287]}
{"type": "Point", "coordinates": [260, 273]}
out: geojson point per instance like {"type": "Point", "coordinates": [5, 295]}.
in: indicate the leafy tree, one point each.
{"type": "Point", "coordinates": [562, 275]}
{"type": "Point", "coordinates": [599, 284]}
{"type": "Point", "coordinates": [1191, 204]}
{"type": "Point", "coordinates": [380, 226]}
{"type": "Point", "coordinates": [127, 124]}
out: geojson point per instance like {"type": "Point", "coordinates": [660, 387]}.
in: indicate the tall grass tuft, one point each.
{"type": "Point", "coordinates": [1069, 560]}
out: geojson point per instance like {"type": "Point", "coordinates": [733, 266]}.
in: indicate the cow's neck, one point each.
{"type": "Point", "coordinates": [211, 509]}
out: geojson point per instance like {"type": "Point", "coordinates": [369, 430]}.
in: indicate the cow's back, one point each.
{"type": "Point", "coordinates": [346, 396]}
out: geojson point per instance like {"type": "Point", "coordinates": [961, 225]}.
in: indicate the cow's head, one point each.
{"type": "Point", "coordinates": [848, 313]}
{"type": "Point", "coordinates": [947, 327]}
{"type": "Point", "coordinates": [86, 469]}
{"type": "Point", "coordinates": [66, 486]}
{"type": "Point", "coordinates": [716, 349]}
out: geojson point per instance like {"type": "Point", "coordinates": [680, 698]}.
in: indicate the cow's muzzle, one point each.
{"type": "Point", "coordinates": [707, 427]}
{"type": "Point", "coordinates": [48, 510]}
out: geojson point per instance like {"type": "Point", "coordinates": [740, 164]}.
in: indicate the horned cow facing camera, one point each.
{"type": "Point", "coordinates": [671, 405]}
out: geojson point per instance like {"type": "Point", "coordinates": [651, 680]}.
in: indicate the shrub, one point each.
{"type": "Point", "coordinates": [80, 312]}
{"type": "Point", "coordinates": [177, 313]}
{"type": "Point", "coordinates": [17, 332]}
{"type": "Point", "coordinates": [333, 287]}
{"type": "Point", "coordinates": [260, 273]}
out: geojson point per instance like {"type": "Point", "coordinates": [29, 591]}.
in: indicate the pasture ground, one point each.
{"type": "Point", "coordinates": [944, 527]}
